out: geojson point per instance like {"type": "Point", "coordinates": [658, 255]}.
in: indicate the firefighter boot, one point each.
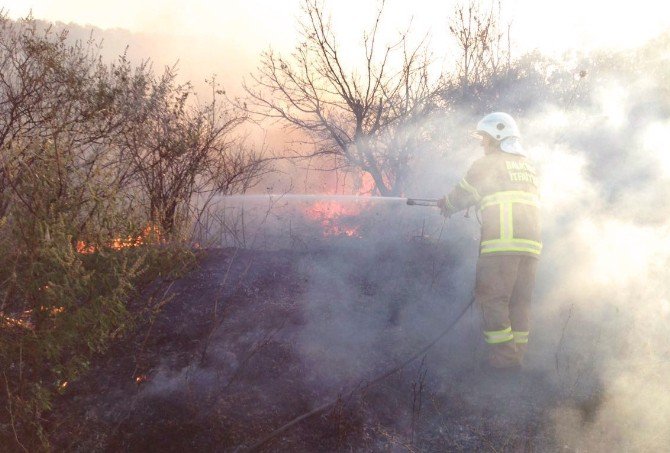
{"type": "Point", "coordinates": [502, 350]}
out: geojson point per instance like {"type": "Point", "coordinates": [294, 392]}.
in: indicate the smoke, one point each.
{"type": "Point", "coordinates": [599, 358]}
{"type": "Point", "coordinates": [601, 316]}
{"type": "Point", "coordinates": [602, 302]}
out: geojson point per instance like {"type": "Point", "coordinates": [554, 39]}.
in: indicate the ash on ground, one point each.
{"type": "Point", "coordinates": [253, 339]}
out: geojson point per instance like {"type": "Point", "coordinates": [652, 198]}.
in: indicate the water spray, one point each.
{"type": "Point", "coordinates": [335, 198]}
{"type": "Point", "coordinates": [312, 197]}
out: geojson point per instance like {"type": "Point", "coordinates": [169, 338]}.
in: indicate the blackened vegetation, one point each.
{"type": "Point", "coordinates": [258, 374]}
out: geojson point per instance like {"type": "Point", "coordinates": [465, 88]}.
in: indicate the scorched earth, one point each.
{"type": "Point", "coordinates": [251, 340]}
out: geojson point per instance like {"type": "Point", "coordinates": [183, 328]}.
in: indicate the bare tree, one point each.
{"type": "Point", "coordinates": [60, 95]}
{"type": "Point", "coordinates": [484, 49]}
{"type": "Point", "coordinates": [180, 149]}
{"type": "Point", "coordinates": [364, 118]}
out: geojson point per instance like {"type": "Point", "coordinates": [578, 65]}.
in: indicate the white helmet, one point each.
{"type": "Point", "coordinates": [501, 127]}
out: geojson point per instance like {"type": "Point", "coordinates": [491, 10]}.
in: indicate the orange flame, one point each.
{"type": "Point", "coordinates": [336, 217]}
{"type": "Point", "coordinates": [142, 378]}
{"type": "Point", "coordinates": [123, 243]}
{"type": "Point", "coordinates": [18, 322]}
{"type": "Point", "coordinates": [25, 318]}
{"type": "Point", "coordinates": [330, 215]}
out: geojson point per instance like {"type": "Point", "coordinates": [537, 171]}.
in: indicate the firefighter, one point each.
{"type": "Point", "coordinates": [503, 185]}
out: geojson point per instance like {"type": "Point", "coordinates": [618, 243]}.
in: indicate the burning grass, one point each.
{"type": "Point", "coordinates": [293, 331]}
{"type": "Point", "coordinates": [335, 218]}
{"type": "Point", "coordinates": [151, 234]}
{"type": "Point", "coordinates": [77, 309]}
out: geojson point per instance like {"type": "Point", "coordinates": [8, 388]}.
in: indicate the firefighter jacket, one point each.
{"type": "Point", "coordinates": [504, 188]}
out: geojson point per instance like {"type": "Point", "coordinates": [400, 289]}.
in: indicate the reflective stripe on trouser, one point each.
{"type": "Point", "coordinates": [521, 343]}
{"type": "Point", "coordinates": [520, 337]}
{"type": "Point", "coordinates": [503, 291]}
{"type": "Point", "coordinates": [498, 336]}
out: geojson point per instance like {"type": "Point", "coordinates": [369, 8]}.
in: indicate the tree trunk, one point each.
{"type": "Point", "coordinates": [380, 185]}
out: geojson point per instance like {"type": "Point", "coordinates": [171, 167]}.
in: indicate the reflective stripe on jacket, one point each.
{"type": "Point", "coordinates": [504, 188]}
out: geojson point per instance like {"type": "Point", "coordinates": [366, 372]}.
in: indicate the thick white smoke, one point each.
{"type": "Point", "coordinates": [602, 315]}
{"type": "Point", "coordinates": [602, 305]}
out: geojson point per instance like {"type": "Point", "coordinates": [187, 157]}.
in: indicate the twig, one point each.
{"type": "Point", "coordinates": [560, 342]}
{"type": "Point", "coordinates": [158, 305]}
{"type": "Point", "coordinates": [254, 350]}
{"type": "Point", "coordinates": [395, 440]}
{"type": "Point", "coordinates": [417, 394]}
{"type": "Point", "coordinates": [217, 320]}
{"type": "Point", "coordinates": [11, 413]}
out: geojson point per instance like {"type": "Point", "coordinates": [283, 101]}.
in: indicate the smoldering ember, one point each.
{"type": "Point", "coordinates": [334, 226]}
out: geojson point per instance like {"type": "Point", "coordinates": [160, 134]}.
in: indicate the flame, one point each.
{"type": "Point", "coordinates": [330, 215]}
{"type": "Point", "coordinates": [24, 319]}
{"type": "Point", "coordinates": [18, 322]}
{"type": "Point", "coordinates": [84, 248]}
{"type": "Point", "coordinates": [336, 217]}
{"type": "Point", "coordinates": [141, 379]}
{"type": "Point", "coordinates": [56, 310]}
{"type": "Point", "coordinates": [123, 243]}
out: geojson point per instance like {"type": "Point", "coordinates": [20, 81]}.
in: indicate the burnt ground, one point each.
{"type": "Point", "coordinates": [253, 339]}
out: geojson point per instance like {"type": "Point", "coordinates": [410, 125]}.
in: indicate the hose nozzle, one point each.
{"type": "Point", "coordinates": [421, 202]}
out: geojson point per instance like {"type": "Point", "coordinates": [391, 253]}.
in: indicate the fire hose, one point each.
{"type": "Point", "coordinates": [259, 443]}
{"type": "Point", "coordinates": [422, 202]}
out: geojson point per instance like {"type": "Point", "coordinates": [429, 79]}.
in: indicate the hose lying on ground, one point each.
{"type": "Point", "coordinates": [259, 443]}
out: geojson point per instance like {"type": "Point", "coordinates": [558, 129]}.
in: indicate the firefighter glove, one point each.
{"type": "Point", "coordinates": [442, 203]}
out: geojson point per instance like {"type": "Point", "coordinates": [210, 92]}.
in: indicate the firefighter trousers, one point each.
{"type": "Point", "coordinates": [503, 291]}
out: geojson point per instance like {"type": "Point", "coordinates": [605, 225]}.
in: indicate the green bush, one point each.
{"type": "Point", "coordinates": [64, 285]}
{"type": "Point", "coordinates": [92, 185]}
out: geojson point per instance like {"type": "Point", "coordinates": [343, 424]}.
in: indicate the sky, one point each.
{"type": "Point", "coordinates": [253, 25]}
